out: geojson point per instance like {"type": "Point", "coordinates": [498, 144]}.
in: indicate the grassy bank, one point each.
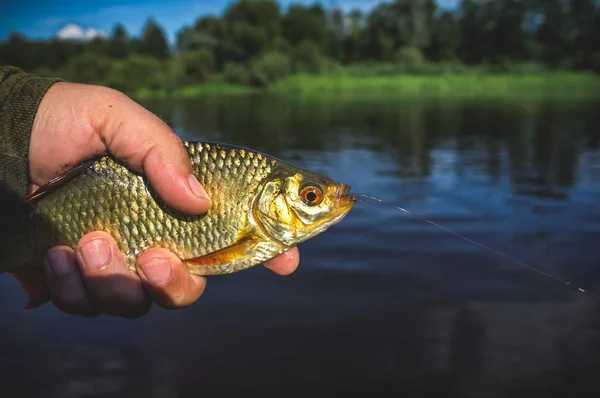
{"type": "Point", "coordinates": [195, 90]}
{"type": "Point", "coordinates": [556, 85]}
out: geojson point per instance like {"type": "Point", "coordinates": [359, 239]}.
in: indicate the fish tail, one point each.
{"type": "Point", "coordinates": [33, 282]}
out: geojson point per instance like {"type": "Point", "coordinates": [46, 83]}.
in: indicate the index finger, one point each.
{"type": "Point", "coordinates": [145, 143]}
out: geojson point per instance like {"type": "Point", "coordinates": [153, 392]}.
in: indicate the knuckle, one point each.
{"type": "Point", "coordinates": [187, 295]}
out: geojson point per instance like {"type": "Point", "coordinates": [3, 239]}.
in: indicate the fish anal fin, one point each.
{"type": "Point", "coordinates": [61, 180]}
{"type": "Point", "coordinates": [211, 263]}
{"type": "Point", "coordinates": [33, 282]}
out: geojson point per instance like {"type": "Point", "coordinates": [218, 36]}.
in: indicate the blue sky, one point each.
{"type": "Point", "coordinates": [43, 19]}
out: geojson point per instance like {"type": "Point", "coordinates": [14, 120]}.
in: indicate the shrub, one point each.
{"type": "Point", "coordinates": [87, 68]}
{"type": "Point", "coordinates": [138, 71]}
{"type": "Point", "coordinates": [409, 59]}
{"type": "Point", "coordinates": [269, 68]}
{"type": "Point", "coordinates": [198, 65]}
{"type": "Point", "coordinates": [234, 73]}
{"type": "Point", "coordinates": [306, 58]}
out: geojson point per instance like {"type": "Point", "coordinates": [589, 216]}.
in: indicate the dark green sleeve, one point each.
{"type": "Point", "coordinates": [20, 96]}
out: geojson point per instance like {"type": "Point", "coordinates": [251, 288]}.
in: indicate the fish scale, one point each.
{"type": "Point", "coordinates": [137, 218]}
{"type": "Point", "coordinates": [257, 212]}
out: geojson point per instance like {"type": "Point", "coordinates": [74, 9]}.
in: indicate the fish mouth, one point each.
{"type": "Point", "coordinates": [342, 189]}
{"type": "Point", "coordinates": [344, 201]}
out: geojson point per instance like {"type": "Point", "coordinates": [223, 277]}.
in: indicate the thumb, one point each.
{"type": "Point", "coordinates": [169, 171]}
{"type": "Point", "coordinates": [145, 143]}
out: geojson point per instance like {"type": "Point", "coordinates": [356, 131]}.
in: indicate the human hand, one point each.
{"type": "Point", "coordinates": [75, 122]}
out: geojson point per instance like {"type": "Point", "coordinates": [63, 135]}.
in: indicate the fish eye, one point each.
{"type": "Point", "coordinates": [311, 195]}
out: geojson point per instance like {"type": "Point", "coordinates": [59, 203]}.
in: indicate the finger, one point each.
{"type": "Point", "coordinates": [143, 141]}
{"type": "Point", "coordinates": [111, 287]}
{"type": "Point", "coordinates": [65, 284]}
{"type": "Point", "coordinates": [168, 280]}
{"type": "Point", "coordinates": [286, 263]}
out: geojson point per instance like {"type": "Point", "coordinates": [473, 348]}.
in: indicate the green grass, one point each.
{"type": "Point", "coordinates": [551, 85]}
{"type": "Point", "coordinates": [196, 90]}
{"type": "Point", "coordinates": [506, 85]}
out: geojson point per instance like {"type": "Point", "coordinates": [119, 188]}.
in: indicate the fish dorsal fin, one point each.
{"type": "Point", "coordinates": [61, 180]}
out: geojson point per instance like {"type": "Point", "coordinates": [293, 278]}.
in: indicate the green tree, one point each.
{"type": "Point", "coordinates": [263, 14]}
{"type": "Point", "coordinates": [88, 67]}
{"type": "Point", "coordinates": [445, 38]}
{"type": "Point", "coordinates": [475, 27]}
{"type": "Point", "coordinates": [402, 23]}
{"type": "Point", "coordinates": [98, 46]}
{"type": "Point", "coordinates": [304, 23]}
{"type": "Point", "coordinates": [585, 19]}
{"type": "Point", "coordinates": [17, 51]}
{"type": "Point", "coordinates": [307, 58]}
{"type": "Point", "coordinates": [269, 68]}
{"type": "Point", "coordinates": [381, 33]}
{"type": "Point", "coordinates": [198, 65]}
{"type": "Point", "coordinates": [138, 71]}
{"type": "Point", "coordinates": [336, 31]}
{"type": "Point", "coordinates": [554, 34]}
{"type": "Point", "coordinates": [409, 59]}
{"type": "Point", "coordinates": [256, 41]}
{"type": "Point", "coordinates": [509, 37]}
{"type": "Point", "coordinates": [210, 33]}
{"type": "Point", "coordinates": [57, 52]}
{"type": "Point", "coordinates": [117, 43]}
{"type": "Point", "coordinates": [352, 42]}
{"type": "Point", "coordinates": [236, 74]}
{"type": "Point", "coordinates": [253, 27]}
{"type": "Point", "coordinates": [414, 21]}
{"type": "Point", "coordinates": [153, 42]}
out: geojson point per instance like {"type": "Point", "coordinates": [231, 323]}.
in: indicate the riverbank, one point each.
{"type": "Point", "coordinates": [558, 85]}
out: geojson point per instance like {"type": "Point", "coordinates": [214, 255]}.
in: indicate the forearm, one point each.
{"type": "Point", "coordinates": [20, 95]}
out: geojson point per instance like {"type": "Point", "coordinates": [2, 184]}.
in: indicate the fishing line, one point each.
{"type": "Point", "coordinates": [368, 198]}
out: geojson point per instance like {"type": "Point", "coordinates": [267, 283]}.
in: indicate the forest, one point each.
{"type": "Point", "coordinates": [256, 43]}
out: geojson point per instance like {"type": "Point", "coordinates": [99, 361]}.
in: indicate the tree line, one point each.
{"type": "Point", "coordinates": [256, 42]}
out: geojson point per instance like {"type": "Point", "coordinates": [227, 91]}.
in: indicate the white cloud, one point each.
{"type": "Point", "coordinates": [76, 32]}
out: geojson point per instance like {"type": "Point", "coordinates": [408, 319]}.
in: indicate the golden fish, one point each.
{"type": "Point", "coordinates": [261, 206]}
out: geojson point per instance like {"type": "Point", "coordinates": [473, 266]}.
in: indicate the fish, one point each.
{"type": "Point", "coordinates": [261, 207]}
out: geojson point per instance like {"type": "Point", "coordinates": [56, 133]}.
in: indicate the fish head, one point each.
{"type": "Point", "coordinates": [296, 205]}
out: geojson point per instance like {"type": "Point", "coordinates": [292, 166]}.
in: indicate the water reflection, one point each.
{"type": "Point", "coordinates": [540, 140]}
{"type": "Point", "coordinates": [382, 302]}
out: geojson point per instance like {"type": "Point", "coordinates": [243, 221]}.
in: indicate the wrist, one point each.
{"type": "Point", "coordinates": [20, 97]}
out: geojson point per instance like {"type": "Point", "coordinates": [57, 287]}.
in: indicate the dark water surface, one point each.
{"type": "Point", "coordinates": [383, 304]}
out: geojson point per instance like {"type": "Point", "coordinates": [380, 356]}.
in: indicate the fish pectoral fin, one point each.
{"type": "Point", "coordinates": [33, 282]}
{"type": "Point", "coordinates": [214, 263]}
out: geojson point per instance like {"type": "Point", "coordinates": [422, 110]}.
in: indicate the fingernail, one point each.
{"type": "Point", "coordinates": [157, 271]}
{"type": "Point", "coordinates": [96, 253]}
{"type": "Point", "coordinates": [196, 188]}
{"type": "Point", "coordinates": [60, 262]}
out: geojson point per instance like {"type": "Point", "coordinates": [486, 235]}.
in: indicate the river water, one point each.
{"type": "Point", "coordinates": [383, 303]}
